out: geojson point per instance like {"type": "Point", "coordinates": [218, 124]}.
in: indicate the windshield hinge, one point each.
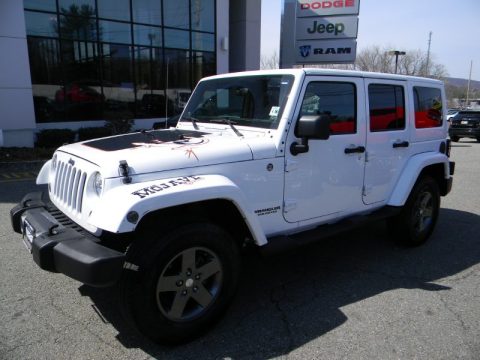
{"type": "Point", "coordinates": [291, 165]}
{"type": "Point", "coordinates": [289, 205]}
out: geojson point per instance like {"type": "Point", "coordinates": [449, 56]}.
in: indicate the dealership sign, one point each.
{"type": "Point", "coordinates": [325, 51]}
{"type": "Point", "coordinates": [319, 32]}
{"type": "Point", "coordinates": [337, 27]}
{"type": "Point", "coordinates": [307, 8]}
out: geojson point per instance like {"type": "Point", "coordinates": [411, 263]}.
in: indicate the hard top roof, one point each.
{"type": "Point", "coordinates": [331, 72]}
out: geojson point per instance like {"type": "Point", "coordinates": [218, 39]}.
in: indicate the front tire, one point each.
{"type": "Point", "coordinates": [455, 138]}
{"type": "Point", "coordinates": [184, 283]}
{"type": "Point", "coordinates": [415, 223]}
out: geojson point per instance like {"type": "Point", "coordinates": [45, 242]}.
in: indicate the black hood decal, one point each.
{"type": "Point", "coordinates": [153, 137]}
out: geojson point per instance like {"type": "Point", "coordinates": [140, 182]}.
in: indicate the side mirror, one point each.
{"type": "Point", "coordinates": [313, 127]}
{"type": "Point", "coordinates": [310, 127]}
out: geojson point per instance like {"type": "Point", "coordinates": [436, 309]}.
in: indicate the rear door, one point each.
{"type": "Point", "coordinates": [388, 139]}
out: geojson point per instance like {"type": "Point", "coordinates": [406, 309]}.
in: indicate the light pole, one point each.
{"type": "Point", "coordinates": [396, 53]}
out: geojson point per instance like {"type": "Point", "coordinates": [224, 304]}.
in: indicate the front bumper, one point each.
{"type": "Point", "coordinates": [59, 245]}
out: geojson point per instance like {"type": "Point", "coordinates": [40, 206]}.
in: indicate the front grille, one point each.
{"type": "Point", "coordinates": [69, 186]}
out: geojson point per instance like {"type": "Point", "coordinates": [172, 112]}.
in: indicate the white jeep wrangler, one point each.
{"type": "Point", "coordinates": [271, 158]}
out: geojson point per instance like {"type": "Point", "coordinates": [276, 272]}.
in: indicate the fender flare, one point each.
{"type": "Point", "coordinates": [412, 171]}
{"type": "Point", "coordinates": [111, 212]}
{"type": "Point", "coordinates": [42, 177]}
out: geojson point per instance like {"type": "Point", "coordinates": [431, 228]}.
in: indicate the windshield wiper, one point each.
{"type": "Point", "coordinates": [193, 120]}
{"type": "Point", "coordinates": [149, 134]}
{"type": "Point", "coordinates": [227, 121]}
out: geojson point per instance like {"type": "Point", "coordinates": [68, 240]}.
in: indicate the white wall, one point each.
{"type": "Point", "coordinates": [222, 36]}
{"type": "Point", "coordinates": [17, 118]}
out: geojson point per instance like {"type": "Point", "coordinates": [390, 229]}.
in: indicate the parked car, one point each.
{"type": "Point", "coordinates": [451, 113]}
{"type": "Point", "coordinates": [79, 100]}
{"type": "Point", "coordinates": [465, 124]}
{"type": "Point", "coordinates": [78, 92]}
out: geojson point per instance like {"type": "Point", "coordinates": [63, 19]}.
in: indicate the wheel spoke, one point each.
{"type": "Point", "coordinates": [188, 259]}
{"type": "Point", "coordinates": [428, 213]}
{"type": "Point", "coordinates": [178, 305]}
{"type": "Point", "coordinates": [168, 283]}
{"type": "Point", "coordinates": [417, 225]}
{"type": "Point", "coordinates": [425, 200]}
{"type": "Point", "coordinates": [202, 296]}
{"type": "Point", "coordinates": [213, 267]}
{"type": "Point", "coordinates": [421, 224]}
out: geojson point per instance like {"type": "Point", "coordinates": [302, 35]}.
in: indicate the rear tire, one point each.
{"type": "Point", "coordinates": [184, 283]}
{"type": "Point", "coordinates": [415, 223]}
{"type": "Point", "coordinates": [454, 138]}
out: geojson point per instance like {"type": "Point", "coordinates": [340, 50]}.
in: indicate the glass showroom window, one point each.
{"type": "Point", "coordinates": [99, 59]}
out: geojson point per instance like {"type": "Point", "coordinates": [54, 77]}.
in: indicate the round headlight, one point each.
{"type": "Point", "coordinates": [98, 183]}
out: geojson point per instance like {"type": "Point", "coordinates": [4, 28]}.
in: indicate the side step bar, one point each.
{"type": "Point", "coordinates": [282, 243]}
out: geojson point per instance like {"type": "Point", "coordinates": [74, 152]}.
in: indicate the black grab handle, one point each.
{"type": "Point", "coordinates": [358, 149]}
{"type": "Point", "coordinates": [401, 144]}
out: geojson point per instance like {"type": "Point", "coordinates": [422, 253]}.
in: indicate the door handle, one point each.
{"type": "Point", "coordinates": [358, 149]}
{"type": "Point", "coordinates": [401, 144]}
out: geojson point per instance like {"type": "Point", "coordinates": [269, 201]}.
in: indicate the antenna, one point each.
{"type": "Point", "coordinates": [468, 86]}
{"type": "Point", "coordinates": [428, 53]}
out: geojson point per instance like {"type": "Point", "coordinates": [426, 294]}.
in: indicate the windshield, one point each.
{"type": "Point", "coordinates": [256, 101]}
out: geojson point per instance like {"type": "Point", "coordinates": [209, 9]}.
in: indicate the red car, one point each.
{"type": "Point", "coordinates": [78, 93]}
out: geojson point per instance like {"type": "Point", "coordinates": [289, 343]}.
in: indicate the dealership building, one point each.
{"type": "Point", "coordinates": [76, 63]}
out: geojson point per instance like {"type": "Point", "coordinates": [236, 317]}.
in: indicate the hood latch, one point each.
{"type": "Point", "coordinates": [123, 167]}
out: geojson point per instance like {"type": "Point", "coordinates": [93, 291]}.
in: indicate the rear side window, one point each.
{"type": "Point", "coordinates": [335, 99]}
{"type": "Point", "coordinates": [428, 107]}
{"type": "Point", "coordinates": [387, 107]}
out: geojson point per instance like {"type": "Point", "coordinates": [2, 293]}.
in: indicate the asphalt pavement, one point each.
{"type": "Point", "coordinates": [354, 296]}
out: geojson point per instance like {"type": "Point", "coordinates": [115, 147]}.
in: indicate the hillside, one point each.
{"type": "Point", "coordinates": [474, 85]}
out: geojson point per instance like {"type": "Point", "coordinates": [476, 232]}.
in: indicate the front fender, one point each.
{"type": "Point", "coordinates": [42, 177]}
{"type": "Point", "coordinates": [411, 172]}
{"type": "Point", "coordinates": [143, 198]}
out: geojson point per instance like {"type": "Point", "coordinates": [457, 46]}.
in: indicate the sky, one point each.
{"type": "Point", "coordinates": [405, 25]}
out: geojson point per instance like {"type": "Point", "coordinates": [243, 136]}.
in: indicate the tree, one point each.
{"type": "Point", "coordinates": [78, 24]}
{"type": "Point", "coordinates": [414, 62]}
{"type": "Point", "coordinates": [378, 59]}
{"type": "Point", "coordinates": [270, 61]}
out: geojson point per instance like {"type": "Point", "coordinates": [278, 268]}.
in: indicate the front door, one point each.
{"type": "Point", "coordinates": [328, 179]}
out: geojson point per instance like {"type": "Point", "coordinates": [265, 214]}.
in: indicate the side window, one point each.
{"type": "Point", "coordinates": [428, 107]}
{"type": "Point", "coordinates": [335, 99]}
{"type": "Point", "coordinates": [387, 107]}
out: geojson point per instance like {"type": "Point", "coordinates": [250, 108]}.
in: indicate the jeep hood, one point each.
{"type": "Point", "coordinates": [161, 150]}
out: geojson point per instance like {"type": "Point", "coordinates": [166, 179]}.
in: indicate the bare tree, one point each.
{"type": "Point", "coordinates": [414, 62]}
{"type": "Point", "coordinates": [374, 59]}
{"type": "Point", "coordinates": [378, 59]}
{"type": "Point", "coordinates": [270, 61]}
